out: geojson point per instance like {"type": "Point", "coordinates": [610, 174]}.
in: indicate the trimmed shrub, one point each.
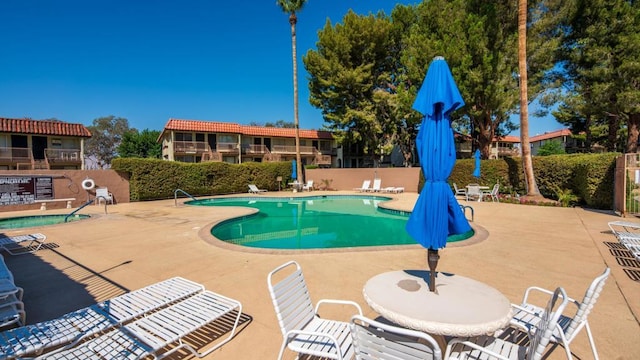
{"type": "Point", "coordinates": [152, 179]}
{"type": "Point", "coordinates": [589, 176]}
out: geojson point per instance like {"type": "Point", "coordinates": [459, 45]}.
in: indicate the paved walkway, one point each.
{"type": "Point", "coordinates": [140, 243]}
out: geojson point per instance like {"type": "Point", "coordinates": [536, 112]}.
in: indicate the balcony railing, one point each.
{"type": "Point", "coordinates": [291, 149]}
{"type": "Point", "coordinates": [323, 159]}
{"type": "Point", "coordinates": [254, 149]}
{"type": "Point", "coordinates": [13, 154]}
{"type": "Point", "coordinates": [190, 147]}
{"type": "Point", "coordinates": [227, 148]}
{"type": "Point", "coordinates": [63, 155]}
{"type": "Point", "coordinates": [507, 151]}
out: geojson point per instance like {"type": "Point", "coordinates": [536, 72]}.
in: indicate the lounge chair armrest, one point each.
{"type": "Point", "coordinates": [340, 302]}
{"type": "Point", "coordinates": [545, 291]}
{"type": "Point", "coordinates": [471, 345]}
{"type": "Point", "coordinates": [292, 333]}
{"type": "Point", "coordinates": [535, 288]}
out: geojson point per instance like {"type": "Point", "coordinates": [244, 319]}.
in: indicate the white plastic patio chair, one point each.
{"type": "Point", "coordinates": [474, 192]}
{"type": "Point", "coordinates": [161, 333]}
{"type": "Point", "coordinates": [485, 347]}
{"type": "Point", "coordinates": [375, 340]}
{"type": "Point", "coordinates": [308, 186]}
{"type": "Point", "coordinates": [365, 186]}
{"type": "Point", "coordinates": [303, 330]}
{"type": "Point", "coordinates": [103, 194]}
{"type": "Point", "coordinates": [254, 189]}
{"type": "Point", "coordinates": [493, 194]}
{"type": "Point", "coordinates": [528, 315]}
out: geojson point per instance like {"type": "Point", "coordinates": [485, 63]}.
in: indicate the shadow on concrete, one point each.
{"type": "Point", "coordinates": [75, 287]}
{"type": "Point", "coordinates": [208, 336]}
{"type": "Point", "coordinates": [625, 259]}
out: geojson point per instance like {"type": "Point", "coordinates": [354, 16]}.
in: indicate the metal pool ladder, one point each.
{"type": "Point", "coordinates": [175, 196]}
{"type": "Point", "coordinates": [66, 218]}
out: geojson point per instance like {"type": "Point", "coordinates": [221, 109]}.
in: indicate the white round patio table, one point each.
{"type": "Point", "coordinates": [459, 306]}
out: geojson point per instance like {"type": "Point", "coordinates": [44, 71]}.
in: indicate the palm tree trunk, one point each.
{"type": "Point", "coordinates": [296, 121]}
{"type": "Point", "coordinates": [527, 163]}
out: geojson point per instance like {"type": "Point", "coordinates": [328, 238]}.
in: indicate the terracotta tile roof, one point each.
{"type": "Point", "coordinates": [509, 139]}
{"type": "Point", "coordinates": [233, 128]}
{"type": "Point", "coordinates": [551, 135]}
{"type": "Point", "coordinates": [42, 127]}
{"type": "Point", "coordinates": [202, 126]}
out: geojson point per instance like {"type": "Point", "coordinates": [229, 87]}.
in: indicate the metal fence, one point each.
{"type": "Point", "coordinates": [627, 185]}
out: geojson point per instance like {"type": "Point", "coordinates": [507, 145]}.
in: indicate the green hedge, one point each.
{"type": "Point", "coordinates": [589, 176]}
{"type": "Point", "coordinates": [152, 179]}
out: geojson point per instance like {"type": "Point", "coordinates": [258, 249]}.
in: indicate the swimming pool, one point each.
{"type": "Point", "coordinates": [38, 220]}
{"type": "Point", "coordinates": [316, 222]}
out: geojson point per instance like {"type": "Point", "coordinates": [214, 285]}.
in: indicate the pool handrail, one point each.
{"type": "Point", "coordinates": [175, 196]}
{"type": "Point", "coordinates": [80, 208]}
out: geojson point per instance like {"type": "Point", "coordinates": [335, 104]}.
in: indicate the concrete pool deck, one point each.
{"type": "Point", "coordinates": [137, 244]}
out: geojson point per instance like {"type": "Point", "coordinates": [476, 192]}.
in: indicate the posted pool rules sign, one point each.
{"type": "Point", "coordinates": [18, 190]}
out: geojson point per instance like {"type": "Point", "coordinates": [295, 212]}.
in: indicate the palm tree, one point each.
{"type": "Point", "coordinates": [527, 163]}
{"type": "Point", "coordinates": [291, 7]}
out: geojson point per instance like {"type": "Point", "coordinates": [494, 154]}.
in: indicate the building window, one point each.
{"type": "Point", "coordinates": [56, 142]}
{"type": "Point", "coordinates": [184, 136]}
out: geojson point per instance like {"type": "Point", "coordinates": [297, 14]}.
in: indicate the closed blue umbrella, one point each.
{"type": "Point", "coordinates": [476, 170]}
{"type": "Point", "coordinates": [294, 172]}
{"type": "Point", "coordinates": [436, 214]}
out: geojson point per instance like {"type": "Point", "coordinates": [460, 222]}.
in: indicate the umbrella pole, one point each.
{"type": "Point", "coordinates": [432, 260]}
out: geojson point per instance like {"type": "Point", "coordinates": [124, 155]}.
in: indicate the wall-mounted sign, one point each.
{"type": "Point", "coordinates": [18, 190]}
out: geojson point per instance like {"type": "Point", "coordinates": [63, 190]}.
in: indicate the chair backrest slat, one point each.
{"type": "Point", "coordinates": [291, 299]}
{"type": "Point", "coordinates": [547, 325]}
{"type": "Point", "coordinates": [588, 302]}
{"type": "Point", "coordinates": [375, 340]}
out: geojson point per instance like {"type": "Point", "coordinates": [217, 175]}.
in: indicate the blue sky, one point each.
{"type": "Point", "coordinates": [151, 60]}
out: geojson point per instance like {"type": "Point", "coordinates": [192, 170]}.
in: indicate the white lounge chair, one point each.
{"type": "Point", "coordinates": [103, 194]}
{"type": "Point", "coordinates": [528, 315]}
{"type": "Point", "coordinates": [628, 234]}
{"type": "Point", "coordinates": [365, 186]}
{"type": "Point", "coordinates": [377, 183]}
{"type": "Point", "coordinates": [11, 305]}
{"type": "Point", "coordinates": [495, 347]}
{"type": "Point", "coordinates": [254, 189]}
{"type": "Point", "coordinates": [72, 328]}
{"type": "Point", "coordinates": [14, 244]}
{"type": "Point", "coordinates": [161, 330]}
{"type": "Point", "coordinates": [308, 186]}
{"type": "Point", "coordinates": [375, 340]}
{"type": "Point", "coordinates": [303, 330]}
{"type": "Point", "coordinates": [458, 191]}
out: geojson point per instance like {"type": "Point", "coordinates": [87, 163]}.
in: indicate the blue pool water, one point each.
{"type": "Point", "coordinates": [316, 222]}
{"type": "Point", "coordinates": [39, 220]}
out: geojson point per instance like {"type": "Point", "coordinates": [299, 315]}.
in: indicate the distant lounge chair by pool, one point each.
{"type": "Point", "coordinates": [13, 244]}
{"type": "Point", "coordinates": [365, 186]}
{"type": "Point", "coordinates": [254, 189]}
{"type": "Point", "coordinates": [377, 183]}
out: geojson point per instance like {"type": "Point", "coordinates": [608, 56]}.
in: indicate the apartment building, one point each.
{"type": "Point", "coordinates": [199, 141]}
{"type": "Point", "coordinates": [505, 146]}
{"type": "Point", "coordinates": [27, 144]}
{"type": "Point", "coordinates": [563, 136]}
